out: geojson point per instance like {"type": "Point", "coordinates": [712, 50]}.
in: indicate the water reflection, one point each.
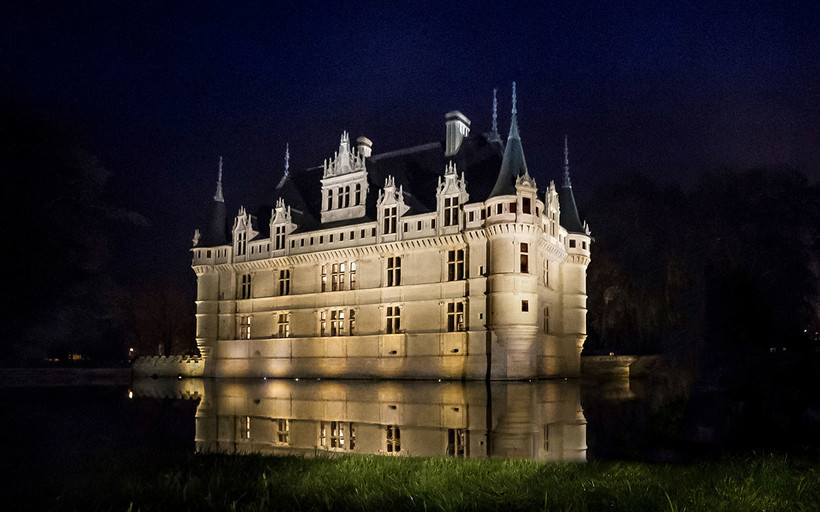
{"type": "Point", "coordinates": [538, 420]}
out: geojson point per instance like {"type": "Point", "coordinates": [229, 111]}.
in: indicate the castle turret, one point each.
{"type": "Point", "coordinates": [574, 277]}
{"type": "Point", "coordinates": [513, 233]}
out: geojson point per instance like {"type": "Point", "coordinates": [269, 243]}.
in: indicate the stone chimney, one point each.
{"type": "Point", "coordinates": [364, 146]}
{"type": "Point", "coordinates": [458, 127]}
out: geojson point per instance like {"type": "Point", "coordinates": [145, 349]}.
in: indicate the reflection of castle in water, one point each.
{"type": "Point", "coordinates": [539, 420]}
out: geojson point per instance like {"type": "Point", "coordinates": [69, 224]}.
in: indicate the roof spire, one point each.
{"type": "Point", "coordinates": [514, 122]}
{"type": "Point", "coordinates": [494, 134]}
{"type": "Point", "coordinates": [513, 163]}
{"type": "Point", "coordinates": [566, 163]}
{"type": "Point", "coordinates": [287, 158]}
{"type": "Point", "coordinates": [218, 195]}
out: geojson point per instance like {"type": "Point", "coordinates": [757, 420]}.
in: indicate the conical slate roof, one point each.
{"type": "Point", "coordinates": [569, 217]}
{"type": "Point", "coordinates": [513, 164]}
{"type": "Point", "coordinates": [217, 232]}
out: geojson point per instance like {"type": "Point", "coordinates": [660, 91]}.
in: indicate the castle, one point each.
{"type": "Point", "coordinates": [438, 261]}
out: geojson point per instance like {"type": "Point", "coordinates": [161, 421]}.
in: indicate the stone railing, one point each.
{"type": "Point", "coordinates": [168, 366]}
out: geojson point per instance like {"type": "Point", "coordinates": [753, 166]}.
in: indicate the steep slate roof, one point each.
{"type": "Point", "coordinates": [415, 169]}
{"type": "Point", "coordinates": [513, 165]}
{"type": "Point", "coordinates": [569, 217]}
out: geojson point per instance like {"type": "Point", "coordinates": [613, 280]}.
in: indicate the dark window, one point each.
{"type": "Point", "coordinates": [455, 265]}
{"type": "Point", "coordinates": [572, 243]}
{"type": "Point", "coordinates": [525, 306]}
{"type": "Point", "coordinates": [284, 282]}
{"type": "Point", "coordinates": [525, 205]}
{"type": "Point", "coordinates": [393, 319]}
{"type": "Point", "coordinates": [393, 271]}
{"type": "Point", "coordinates": [512, 208]}
{"type": "Point", "coordinates": [450, 211]}
{"type": "Point", "coordinates": [455, 316]}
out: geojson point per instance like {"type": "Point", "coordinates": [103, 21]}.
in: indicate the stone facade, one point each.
{"type": "Point", "coordinates": [393, 266]}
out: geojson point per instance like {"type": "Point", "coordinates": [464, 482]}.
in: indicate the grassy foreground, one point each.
{"type": "Point", "coordinates": [226, 482]}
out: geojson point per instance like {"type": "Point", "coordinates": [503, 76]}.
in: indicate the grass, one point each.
{"type": "Point", "coordinates": [256, 483]}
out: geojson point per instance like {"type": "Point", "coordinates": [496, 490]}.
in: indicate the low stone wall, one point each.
{"type": "Point", "coordinates": [168, 366]}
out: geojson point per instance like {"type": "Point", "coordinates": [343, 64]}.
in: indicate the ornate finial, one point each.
{"type": "Point", "coordinates": [495, 113]}
{"type": "Point", "coordinates": [287, 158]}
{"type": "Point", "coordinates": [514, 111]}
{"type": "Point", "coordinates": [566, 163]}
{"type": "Point", "coordinates": [218, 196]}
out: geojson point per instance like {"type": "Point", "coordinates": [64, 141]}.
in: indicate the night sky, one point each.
{"type": "Point", "coordinates": [158, 90]}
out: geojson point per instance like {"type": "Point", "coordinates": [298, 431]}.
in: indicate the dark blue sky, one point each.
{"type": "Point", "coordinates": [158, 90]}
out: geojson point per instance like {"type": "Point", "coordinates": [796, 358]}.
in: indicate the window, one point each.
{"type": "Point", "coordinates": [525, 306]}
{"type": "Point", "coordinates": [337, 435]}
{"type": "Point", "coordinates": [526, 205]}
{"type": "Point", "coordinates": [393, 437]}
{"type": "Point", "coordinates": [362, 233]}
{"type": "Point", "coordinates": [512, 208]}
{"type": "Point", "coordinates": [546, 273]}
{"type": "Point", "coordinates": [572, 243]}
{"type": "Point", "coordinates": [351, 320]}
{"type": "Point", "coordinates": [241, 243]}
{"type": "Point", "coordinates": [337, 277]}
{"type": "Point", "coordinates": [393, 271]}
{"type": "Point", "coordinates": [243, 427]}
{"type": "Point", "coordinates": [352, 275]}
{"type": "Point", "coordinates": [284, 282]}
{"type": "Point", "coordinates": [340, 195]}
{"type": "Point", "coordinates": [347, 197]}
{"type": "Point", "coordinates": [324, 277]}
{"type": "Point", "coordinates": [341, 237]}
{"type": "Point", "coordinates": [455, 265]}
{"type": "Point", "coordinates": [457, 442]}
{"type": "Point", "coordinates": [292, 244]}
{"type": "Point", "coordinates": [418, 226]}
{"type": "Point", "coordinates": [499, 208]}
{"type": "Point", "coordinates": [406, 226]}
{"type": "Point", "coordinates": [282, 430]}
{"type": "Point", "coordinates": [372, 231]}
{"type": "Point", "coordinates": [547, 437]}
{"type": "Point", "coordinates": [244, 327]}
{"type": "Point", "coordinates": [358, 193]}
{"type": "Point", "coordinates": [455, 316]}
{"type": "Point", "coordinates": [433, 224]}
{"type": "Point", "coordinates": [330, 237]}
{"type": "Point", "coordinates": [450, 211]}
{"type": "Point", "coordinates": [525, 259]}
{"type": "Point", "coordinates": [330, 199]}
{"type": "Point", "coordinates": [393, 319]}
{"type": "Point", "coordinates": [207, 253]}
{"type": "Point", "coordinates": [245, 288]}
{"type": "Point", "coordinates": [284, 325]}
{"type": "Point", "coordinates": [389, 220]}
{"type": "Point", "coordinates": [583, 245]}
{"type": "Point", "coordinates": [279, 240]}
{"type": "Point", "coordinates": [484, 213]}
{"type": "Point", "coordinates": [471, 216]}
{"type": "Point", "coordinates": [547, 320]}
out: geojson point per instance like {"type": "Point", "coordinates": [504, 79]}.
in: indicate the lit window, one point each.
{"type": "Point", "coordinates": [455, 316]}
{"type": "Point", "coordinates": [244, 327]}
{"type": "Point", "coordinates": [324, 277]}
{"type": "Point", "coordinates": [245, 288]}
{"type": "Point", "coordinates": [282, 431]}
{"type": "Point", "coordinates": [525, 261]}
{"type": "Point", "coordinates": [284, 282]}
{"type": "Point", "coordinates": [546, 273]}
{"type": "Point", "coordinates": [457, 442]}
{"type": "Point", "coordinates": [337, 277]}
{"type": "Point", "coordinates": [284, 325]}
{"type": "Point", "coordinates": [393, 437]}
{"type": "Point", "coordinates": [393, 271]}
{"type": "Point", "coordinates": [337, 435]}
{"type": "Point", "coordinates": [244, 427]}
{"type": "Point", "coordinates": [352, 275]}
{"type": "Point", "coordinates": [393, 319]}
{"type": "Point", "coordinates": [389, 220]}
{"type": "Point", "coordinates": [455, 265]}
{"type": "Point", "coordinates": [323, 323]}
{"type": "Point", "coordinates": [351, 319]}
{"type": "Point", "coordinates": [450, 211]}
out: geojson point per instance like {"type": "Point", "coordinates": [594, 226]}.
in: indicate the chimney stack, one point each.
{"type": "Point", "coordinates": [458, 127]}
{"type": "Point", "coordinates": [364, 146]}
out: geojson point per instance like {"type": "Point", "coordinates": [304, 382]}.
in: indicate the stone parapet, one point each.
{"type": "Point", "coordinates": [169, 366]}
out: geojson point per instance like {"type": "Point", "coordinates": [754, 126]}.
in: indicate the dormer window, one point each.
{"type": "Point", "coordinates": [358, 198]}
{"type": "Point", "coordinates": [279, 239]}
{"type": "Point", "coordinates": [330, 199]}
{"type": "Point", "coordinates": [390, 217]}
{"type": "Point", "coordinates": [346, 197]}
{"type": "Point", "coordinates": [451, 211]}
{"type": "Point", "coordinates": [241, 243]}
